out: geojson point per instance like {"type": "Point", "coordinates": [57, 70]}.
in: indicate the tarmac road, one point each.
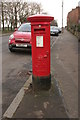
{"type": "Point", "coordinates": [15, 67]}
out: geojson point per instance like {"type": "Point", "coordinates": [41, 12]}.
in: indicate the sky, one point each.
{"type": "Point", "coordinates": [54, 8]}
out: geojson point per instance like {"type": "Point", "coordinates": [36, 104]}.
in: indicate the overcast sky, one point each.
{"type": "Point", "coordinates": [54, 8]}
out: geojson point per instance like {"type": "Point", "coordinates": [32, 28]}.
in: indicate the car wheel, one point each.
{"type": "Point", "coordinates": [57, 34]}
{"type": "Point", "coordinates": [11, 49]}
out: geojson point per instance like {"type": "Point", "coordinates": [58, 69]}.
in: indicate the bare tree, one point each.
{"type": "Point", "coordinates": [7, 13]}
{"type": "Point", "coordinates": [2, 11]}
{"type": "Point", "coordinates": [35, 8]}
{"type": "Point", "coordinates": [23, 12]}
{"type": "Point", "coordinates": [17, 12]}
{"type": "Point", "coordinates": [15, 4]}
{"type": "Point", "coordinates": [54, 23]}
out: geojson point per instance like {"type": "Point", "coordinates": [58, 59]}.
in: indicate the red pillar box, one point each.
{"type": "Point", "coordinates": [40, 33]}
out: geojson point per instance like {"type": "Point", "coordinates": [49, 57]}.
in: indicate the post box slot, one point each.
{"type": "Point", "coordinates": [39, 29]}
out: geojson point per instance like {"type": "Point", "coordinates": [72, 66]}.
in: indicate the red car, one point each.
{"type": "Point", "coordinates": [21, 38]}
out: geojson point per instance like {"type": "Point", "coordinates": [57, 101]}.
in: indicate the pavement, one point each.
{"type": "Point", "coordinates": [5, 34]}
{"type": "Point", "coordinates": [40, 104]}
{"type": "Point", "coordinates": [64, 60]}
{"type": "Point", "coordinates": [61, 101]}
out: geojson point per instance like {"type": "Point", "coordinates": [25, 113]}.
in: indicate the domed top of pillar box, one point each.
{"type": "Point", "coordinates": [40, 18]}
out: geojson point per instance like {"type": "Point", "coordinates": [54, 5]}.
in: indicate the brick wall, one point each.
{"type": "Point", "coordinates": [73, 17]}
{"type": "Point", "coordinates": [73, 21]}
{"type": "Point", "coordinates": [79, 14]}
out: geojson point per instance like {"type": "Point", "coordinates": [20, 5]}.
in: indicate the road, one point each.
{"type": "Point", "coordinates": [64, 66]}
{"type": "Point", "coordinates": [15, 67]}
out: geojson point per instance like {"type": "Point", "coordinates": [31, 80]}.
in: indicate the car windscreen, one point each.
{"type": "Point", "coordinates": [24, 28]}
{"type": "Point", "coordinates": [51, 28]}
{"type": "Point", "coordinates": [56, 28]}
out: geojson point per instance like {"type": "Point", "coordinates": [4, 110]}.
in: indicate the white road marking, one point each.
{"type": "Point", "coordinates": [59, 37]}
{"type": "Point", "coordinates": [54, 42]}
{"type": "Point", "coordinates": [15, 103]}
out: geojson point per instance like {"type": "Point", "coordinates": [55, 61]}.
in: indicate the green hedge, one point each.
{"type": "Point", "coordinates": [79, 28]}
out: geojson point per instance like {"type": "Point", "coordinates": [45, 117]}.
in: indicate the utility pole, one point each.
{"type": "Point", "coordinates": [62, 16]}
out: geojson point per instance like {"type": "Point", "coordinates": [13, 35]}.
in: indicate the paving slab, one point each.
{"type": "Point", "coordinates": [5, 34]}
{"type": "Point", "coordinates": [64, 66]}
{"type": "Point", "coordinates": [42, 104]}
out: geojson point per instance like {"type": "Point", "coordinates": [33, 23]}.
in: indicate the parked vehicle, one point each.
{"type": "Point", "coordinates": [54, 31]}
{"type": "Point", "coordinates": [58, 28]}
{"type": "Point", "coordinates": [21, 38]}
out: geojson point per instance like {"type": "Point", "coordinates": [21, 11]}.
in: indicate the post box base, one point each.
{"type": "Point", "coordinates": [41, 83]}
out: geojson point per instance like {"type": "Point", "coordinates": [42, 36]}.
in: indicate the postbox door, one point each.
{"type": "Point", "coordinates": [41, 54]}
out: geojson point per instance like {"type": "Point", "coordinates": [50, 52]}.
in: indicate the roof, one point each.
{"type": "Point", "coordinates": [40, 18]}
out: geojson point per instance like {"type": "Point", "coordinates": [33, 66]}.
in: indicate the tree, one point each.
{"type": "Point", "coordinates": [2, 11]}
{"type": "Point", "coordinates": [23, 12]}
{"type": "Point", "coordinates": [7, 13]}
{"type": "Point", "coordinates": [17, 12]}
{"type": "Point", "coordinates": [54, 23]}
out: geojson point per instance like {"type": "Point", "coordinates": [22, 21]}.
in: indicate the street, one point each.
{"type": "Point", "coordinates": [64, 66]}
{"type": "Point", "coordinates": [15, 67]}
